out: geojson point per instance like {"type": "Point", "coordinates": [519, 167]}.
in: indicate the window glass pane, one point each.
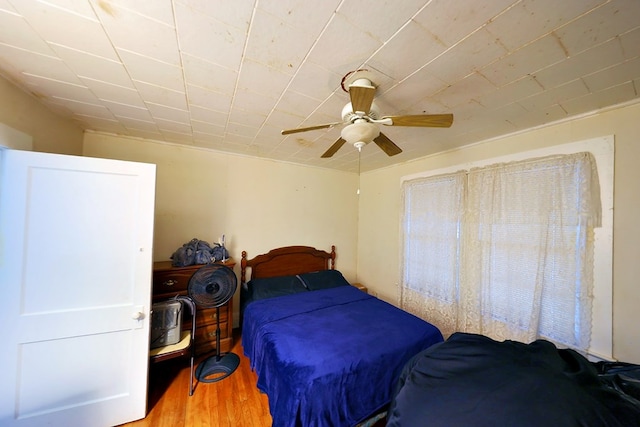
{"type": "Point", "coordinates": [433, 209]}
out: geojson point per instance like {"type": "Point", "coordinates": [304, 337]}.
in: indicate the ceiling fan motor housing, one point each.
{"type": "Point", "coordinates": [348, 115]}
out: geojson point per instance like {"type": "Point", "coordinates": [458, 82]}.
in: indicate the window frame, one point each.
{"type": "Point", "coordinates": [602, 149]}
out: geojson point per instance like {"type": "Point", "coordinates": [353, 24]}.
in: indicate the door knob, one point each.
{"type": "Point", "coordinates": [138, 315]}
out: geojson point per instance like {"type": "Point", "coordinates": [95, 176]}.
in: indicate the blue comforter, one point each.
{"type": "Point", "coordinates": [474, 381]}
{"type": "Point", "coordinates": [330, 357]}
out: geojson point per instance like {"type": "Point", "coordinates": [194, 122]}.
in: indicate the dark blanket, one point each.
{"type": "Point", "coordinates": [471, 380]}
{"type": "Point", "coordinates": [330, 357]}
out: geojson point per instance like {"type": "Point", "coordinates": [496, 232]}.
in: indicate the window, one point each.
{"type": "Point", "coordinates": [432, 219]}
{"type": "Point", "coordinates": [507, 250]}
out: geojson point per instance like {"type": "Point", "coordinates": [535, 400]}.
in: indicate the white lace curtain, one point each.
{"type": "Point", "coordinates": [433, 211]}
{"type": "Point", "coordinates": [505, 250]}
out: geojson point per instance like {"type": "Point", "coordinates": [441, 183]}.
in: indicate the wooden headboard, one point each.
{"type": "Point", "coordinates": [287, 261]}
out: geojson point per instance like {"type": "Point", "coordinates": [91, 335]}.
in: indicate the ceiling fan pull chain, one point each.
{"type": "Point", "coordinates": [359, 146]}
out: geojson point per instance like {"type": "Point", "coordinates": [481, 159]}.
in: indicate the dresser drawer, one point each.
{"type": "Point", "coordinates": [171, 282]}
{"type": "Point", "coordinates": [208, 332]}
{"type": "Point", "coordinates": [208, 316]}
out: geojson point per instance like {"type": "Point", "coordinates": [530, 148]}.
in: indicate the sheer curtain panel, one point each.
{"type": "Point", "coordinates": [433, 211]}
{"type": "Point", "coordinates": [504, 250]}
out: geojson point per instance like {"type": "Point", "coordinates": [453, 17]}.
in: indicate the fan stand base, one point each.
{"type": "Point", "coordinates": [216, 368]}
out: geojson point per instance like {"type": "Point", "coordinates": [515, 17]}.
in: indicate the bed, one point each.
{"type": "Point", "coordinates": [325, 352]}
{"type": "Point", "coordinates": [474, 381]}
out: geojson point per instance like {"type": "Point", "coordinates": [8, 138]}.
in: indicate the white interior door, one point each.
{"type": "Point", "coordinates": [75, 274]}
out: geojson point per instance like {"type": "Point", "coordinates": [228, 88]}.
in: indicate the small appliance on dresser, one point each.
{"type": "Point", "coordinates": [166, 323]}
{"type": "Point", "coordinates": [169, 281]}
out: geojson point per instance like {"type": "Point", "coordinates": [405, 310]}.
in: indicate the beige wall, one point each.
{"type": "Point", "coordinates": [50, 132]}
{"type": "Point", "coordinates": [379, 225]}
{"type": "Point", "coordinates": [257, 204]}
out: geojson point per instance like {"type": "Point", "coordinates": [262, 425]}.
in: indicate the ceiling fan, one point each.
{"type": "Point", "coordinates": [362, 118]}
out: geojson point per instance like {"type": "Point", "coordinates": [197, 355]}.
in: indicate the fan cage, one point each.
{"type": "Point", "coordinates": [213, 285]}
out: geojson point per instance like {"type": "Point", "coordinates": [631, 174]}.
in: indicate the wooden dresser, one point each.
{"type": "Point", "coordinates": [170, 281]}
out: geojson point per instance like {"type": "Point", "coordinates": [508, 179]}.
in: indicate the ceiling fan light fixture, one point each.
{"type": "Point", "coordinates": [360, 131]}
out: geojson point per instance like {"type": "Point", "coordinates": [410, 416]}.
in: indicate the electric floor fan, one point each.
{"type": "Point", "coordinates": [212, 286]}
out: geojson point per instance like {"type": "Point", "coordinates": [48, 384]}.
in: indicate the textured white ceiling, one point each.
{"type": "Point", "coordinates": [230, 75]}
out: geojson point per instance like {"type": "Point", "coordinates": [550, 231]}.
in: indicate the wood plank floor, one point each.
{"type": "Point", "coordinates": [233, 401]}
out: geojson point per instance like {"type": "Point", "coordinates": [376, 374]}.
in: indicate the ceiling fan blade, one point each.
{"type": "Point", "coordinates": [387, 145]}
{"type": "Point", "coordinates": [324, 126]}
{"type": "Point", "coordinates": [335, 147]}
{"type": "Point", "coordinates": [361, 97]}
{"type": "Point", "coordinates": [422, 120]}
